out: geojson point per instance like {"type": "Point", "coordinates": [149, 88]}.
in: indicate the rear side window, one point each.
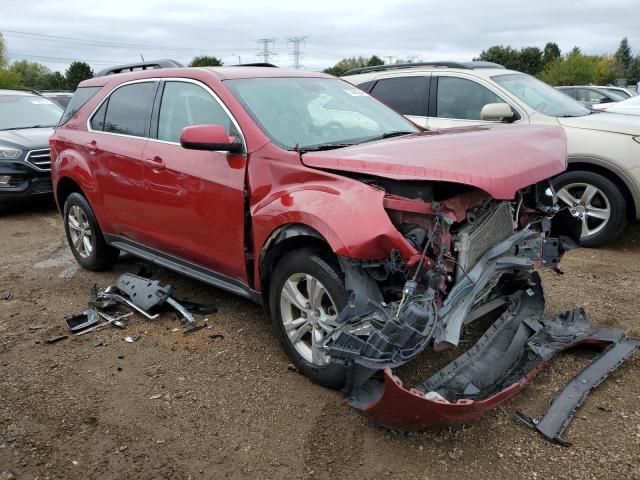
{"type": "Point", "coordinates": [184, 104]}
{"type": "Point", "coordinates": [127, 111]}
{"type": "Point", "coordinates": [407, 95]}
{"type": "Point", "coordinates": [80, 97]}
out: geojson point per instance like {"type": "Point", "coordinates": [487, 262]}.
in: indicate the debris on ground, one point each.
{"type": "Point", "coordinates": [56, 338]}
{"type": "Point", "coordinates": [131, 339]}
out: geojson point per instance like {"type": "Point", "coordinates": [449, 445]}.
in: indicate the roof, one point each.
{"type": "Point", "coordinates": [443, 64]}
{"type": "Point", "coordinates": [228, 73]}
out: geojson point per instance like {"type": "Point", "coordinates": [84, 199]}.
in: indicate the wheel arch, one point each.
{"type": "Point", "coordinates": [283, 240]}
{"type": "Point", "coordinates": [65, 187]}
{"type": "Point", "coordinates": [629, 192]}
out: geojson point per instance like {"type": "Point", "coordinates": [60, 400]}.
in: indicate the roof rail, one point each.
{"type": "Point", "coordinates": [259, 64]}
{"type": "Point", "coordinates": [465, 65]}
{"type": "Point", "coordinates": [132, 67]}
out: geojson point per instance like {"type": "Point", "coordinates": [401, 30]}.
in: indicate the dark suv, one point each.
{"type": "Point", "coordinates": [365, 237]}
{"type": "Point", "coordinates": [26, 123]}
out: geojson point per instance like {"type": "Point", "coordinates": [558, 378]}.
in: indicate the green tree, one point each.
{"type": "Point", "coordinates": [4, 59]}
{"type": "Point", "coordinates": [374, 60]}
{"type": "Point", "coordinates": [54, 81]}
{"type": "Point", "coordinates": [577, 69]}
{"type": "Point", "coordinates": [9, 79]}
{"type": "Point", "coordinates": [531, 60]}
{"type": "Point", "coordinates": [32, 74]}
{"type": "Point", "coordinates": [623, 58]}
{"type": "Point", "coordinates": [633, 76]}
{"type": "Point", "coordinates": [575, 51]}
{"type": "Point", "coordinates": [505, 56]}
{"type": "Point", "coordinates": [347, 64]}
{"type": "Point", "coordinates": [76, 73]}
{"type": "Point", "coordinates": [551, 52]}
{"type": "Point", "coordinates": [205, 61]}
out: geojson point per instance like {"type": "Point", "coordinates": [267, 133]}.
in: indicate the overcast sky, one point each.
{"type": "Point", "coordinates": [425, 29]}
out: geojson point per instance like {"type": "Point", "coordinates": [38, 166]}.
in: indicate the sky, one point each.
{"type": "Point", "coordinates": [105, 33]}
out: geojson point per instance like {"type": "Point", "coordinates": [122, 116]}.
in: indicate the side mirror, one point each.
{"type": "Point", "coordinates": [209, 137]}
{"type": "Point", "coordinates": [496, 112]}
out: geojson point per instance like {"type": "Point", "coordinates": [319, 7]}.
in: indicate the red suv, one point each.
{"type": "Point", "coordinates": [365, 237]}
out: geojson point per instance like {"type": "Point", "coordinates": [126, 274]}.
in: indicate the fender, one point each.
{"type": "Point", "coordinates": [356, 211]}
{"type": "Point", "coordinates": [70, 164]}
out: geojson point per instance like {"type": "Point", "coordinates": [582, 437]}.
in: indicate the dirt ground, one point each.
{"type": "Point", "coordinates": [230, 407]}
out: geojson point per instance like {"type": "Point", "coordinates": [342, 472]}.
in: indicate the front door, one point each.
{"type": "Point", "coordinates": [195, 199]}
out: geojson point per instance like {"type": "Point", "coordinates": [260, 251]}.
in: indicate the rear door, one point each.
{"type": "Point", "coordinates": [194, 200]}
{"type": "Point", "coordinates": [118, 133]}
{"type": "Point", "coordinates": [407, 95]}
{"type": "Point", "coordinates": [455, 101]}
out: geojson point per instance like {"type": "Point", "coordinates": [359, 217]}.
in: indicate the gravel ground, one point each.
{"type": "Point", "coordinates": [223, 402]}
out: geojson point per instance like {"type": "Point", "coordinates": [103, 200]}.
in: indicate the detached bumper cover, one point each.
{"type": "Point", "coordinates": [510, 353]}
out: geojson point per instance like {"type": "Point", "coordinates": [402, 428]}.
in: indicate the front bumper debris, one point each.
{"type": "Point", "coordinates": [509, 354]}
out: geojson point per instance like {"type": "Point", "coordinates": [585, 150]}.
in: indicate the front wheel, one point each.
{"type": "Point", "coordinates": [596, 202]}
{"type": "Point", "coordinates": [307, 292]}
{"type": "Point", "coordinates": [84, 235]}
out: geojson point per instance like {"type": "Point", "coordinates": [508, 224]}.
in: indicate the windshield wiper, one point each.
{"type": "Point", "coordinates": [324, 146]}
{"type": "Point", "coordinates": [29, 126]}
{"type": "Point", "coordinates": [397, 133]}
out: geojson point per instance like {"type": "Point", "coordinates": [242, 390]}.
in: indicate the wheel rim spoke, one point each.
{"type": "Point", "coordinates": [600, 213]}
{"type": "Point", "coordinates": [87, 245]}
{"type": "Point", "coordinates": [294, 324]}
{"type": "Point", "coordinates": [564, 195]}
{"type": "Point", "coordinates": [588, 194]}
{"type": "Point", "coordinates": [297, 335]}
{"type": "Point", "coordinates": [585, 227]}
{"type": "Point", "coordinates": [294, 296]}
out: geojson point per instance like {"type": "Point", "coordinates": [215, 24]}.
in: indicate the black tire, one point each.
{"type": "Point", "coordinates": [617, 205]}
{"type": "Point", "coordinates": [102, 255]}
{"type": "Point", "coordinates": [325, 269]}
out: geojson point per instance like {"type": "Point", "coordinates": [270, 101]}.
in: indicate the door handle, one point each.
{"type": "Point", "coordinates": [92, 147]}
{"type": "Point", "coordinates": [156, 163]}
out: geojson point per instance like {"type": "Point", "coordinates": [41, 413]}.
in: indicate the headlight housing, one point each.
{"type": "Point", "coordinates": [8, 153]}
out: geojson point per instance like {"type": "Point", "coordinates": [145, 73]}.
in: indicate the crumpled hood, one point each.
{"type": "Point", "coordinates": [26, 138]}
{"type": "Point", "coordinates": [499, 159]}
{"type": "Point", "coordinates": [605, 122]}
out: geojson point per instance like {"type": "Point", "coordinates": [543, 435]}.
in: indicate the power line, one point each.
{"type": "Point", "coordinates": [47, 58]}
{"type": "Point", "coordinates": [266, 53]}
{"type": "Point", "coordinates": [297, 54]}
{"type": "Point", "coordinates": [101, 43]}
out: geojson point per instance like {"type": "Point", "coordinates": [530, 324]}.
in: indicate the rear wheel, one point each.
{"type": "Point", "coordinates": [596, 202]}
{"type": "Point", "coordinates": [84, 235]}
{"type": "Point", "coordinates": [307, 292]}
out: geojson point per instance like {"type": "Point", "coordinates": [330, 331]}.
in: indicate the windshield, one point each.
{"type": "Point", "coordinates": [28, 111]}
{"type": "Point", "coordinates": [312, 113]}
{"type": "Point", "coordinates": [540, 96]}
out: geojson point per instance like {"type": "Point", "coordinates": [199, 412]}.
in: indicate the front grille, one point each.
{"type": "Point", "coordinates": [474, 239]}
{"type": "Point", "coordinates": [40, 159]}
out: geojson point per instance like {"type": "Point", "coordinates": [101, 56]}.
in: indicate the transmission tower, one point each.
{"type": "Point", "coordinates": [265, 49]}
{"type": "Point", "coordinates": [296, 54]}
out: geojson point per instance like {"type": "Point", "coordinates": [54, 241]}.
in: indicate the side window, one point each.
{"type": "Point", "coordinates": [462, 98]}
{"type": "Point", "coordinates": [587, 95]}
{"type": "Point", "coordinates": [184, 104]}
{"type": "Point", "coordinates": [407, 95]}
{"type": "Point", "coordinates": [569, 91]}
{"type": "Point", "coordinates": [97, 121]}
{"type": "Point", "coordinates": [128, 110]}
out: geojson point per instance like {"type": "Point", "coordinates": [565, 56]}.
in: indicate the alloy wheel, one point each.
{"type": "Point", "coordinates": [80, 231]}
{"type": "Point", "coordinates": [308, 314]}
{"type": "Point", "coordinates": [589, 204]}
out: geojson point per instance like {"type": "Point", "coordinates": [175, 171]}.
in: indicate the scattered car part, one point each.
{"type": "Point", "coordinates": [111, 321]}
{"type": "Point", "coordinates": [107, 294]}
{"type": "Point", "coordinates": [148, 294]}
{"type": "Point", "coordinates": [555, 420]}
{"type": "Point", "coordinates": [85, 319]}
{"type": "Point", "coordinates": [193, 329]}
{"type": "Point", "coordinates": [131, 339]}
{"type": "Point", "coordinates": [57, 338]}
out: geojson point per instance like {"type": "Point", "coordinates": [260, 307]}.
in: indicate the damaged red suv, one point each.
{"type": "Point", "coordinates": [367, 239]}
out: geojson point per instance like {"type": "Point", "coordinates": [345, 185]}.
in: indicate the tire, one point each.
{"type": "Point", "coordinates": [295, 269]}
{"type": "Point", "coordinates": [594, 197]}
{"type": "Point", "coordinates": [91, 251]}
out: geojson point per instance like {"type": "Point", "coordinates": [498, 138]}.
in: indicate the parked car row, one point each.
{"type": "Point", "coordinates": [601, 187]}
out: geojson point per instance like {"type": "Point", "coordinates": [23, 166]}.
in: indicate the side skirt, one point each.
{"type": "Point", "coordinates": [184, 267]}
